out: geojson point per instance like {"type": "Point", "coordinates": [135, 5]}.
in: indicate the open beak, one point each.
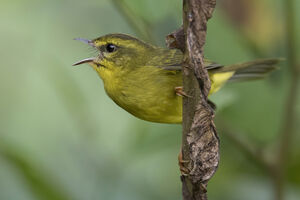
{"type": "Point", "coordinates": [89, 42]}
{"type": "Point", "coordinates": [87, 60]}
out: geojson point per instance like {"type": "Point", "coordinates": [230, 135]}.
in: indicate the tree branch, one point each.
{"type": "Point", "coordinates": [200, 143]}
{"type": "Point", "coordinates": [289, 118]}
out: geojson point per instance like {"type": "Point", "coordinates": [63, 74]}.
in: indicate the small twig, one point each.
{"type": "Point", "coordinates": [36, 179]}
{"type": "Point", "coordinates": [138, 23]}
{"type": "Point", "coordinates": [249, 149]}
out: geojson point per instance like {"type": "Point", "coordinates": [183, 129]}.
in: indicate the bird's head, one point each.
{"type": "Point", "coordinates": [117, 53]}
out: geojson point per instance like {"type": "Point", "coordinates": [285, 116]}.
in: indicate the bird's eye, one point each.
{"type": "Point", "coordinates": [111, 48]}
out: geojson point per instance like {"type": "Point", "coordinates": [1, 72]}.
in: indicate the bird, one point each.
{"type": "Point", "coordinates": [146, 80]}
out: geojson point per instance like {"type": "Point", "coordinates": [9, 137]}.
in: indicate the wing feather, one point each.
{"type": "Point", "coordinates": [171, 60]}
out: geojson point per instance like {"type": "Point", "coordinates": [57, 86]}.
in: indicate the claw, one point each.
{"type": "Point", "coordinates": [183, 170]}
{"type": "Point", "coordinates": [179, 91]}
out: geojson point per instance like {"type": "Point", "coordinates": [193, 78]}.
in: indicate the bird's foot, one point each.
{"type": "Point", "coordinates": [179, 91]}
{"type": "Point", "coordinates": [183, 170]}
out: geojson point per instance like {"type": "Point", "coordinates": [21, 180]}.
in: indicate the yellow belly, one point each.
{"type": "Point", "coordinates": [153, 97]}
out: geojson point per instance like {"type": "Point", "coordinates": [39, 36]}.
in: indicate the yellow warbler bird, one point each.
{"type": "Point", "coordinates": [146, 80]}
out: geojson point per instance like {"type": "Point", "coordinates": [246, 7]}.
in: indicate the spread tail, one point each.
{"type": "Point", "coordinates": [257, 69]}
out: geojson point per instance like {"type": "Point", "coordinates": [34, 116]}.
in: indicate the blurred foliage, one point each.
{"type": "Point", "coordinates": [63, 138]}
{"type": "Point", "coordinates": [256, 15]}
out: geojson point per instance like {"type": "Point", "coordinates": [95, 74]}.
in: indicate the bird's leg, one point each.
{"type": "Point", "coordinates": [179, 91]}
{"type": "Point", "coordinates": [183, 170]}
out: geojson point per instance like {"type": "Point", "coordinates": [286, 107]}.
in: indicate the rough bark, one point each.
{"type": "Point", "coordinates": [200, 143]}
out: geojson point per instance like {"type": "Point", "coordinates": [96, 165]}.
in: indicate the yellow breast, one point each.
{"type": "Point", "coordinates": [151, 98]}
{"type": "Point", "coordinates": [148, 92]}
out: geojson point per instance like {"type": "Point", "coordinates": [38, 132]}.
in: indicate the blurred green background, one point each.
{"type": "Point", "coordinates": [61, 137]}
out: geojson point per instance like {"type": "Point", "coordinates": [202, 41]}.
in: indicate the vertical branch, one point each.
{"type": "Point", "coordinates": [200, 143]}
{"type": "Point", "coordinates": [289, 118]}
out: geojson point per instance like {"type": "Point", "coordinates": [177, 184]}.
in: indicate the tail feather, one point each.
{"type": "Point", "coordinates": [252, 70]}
